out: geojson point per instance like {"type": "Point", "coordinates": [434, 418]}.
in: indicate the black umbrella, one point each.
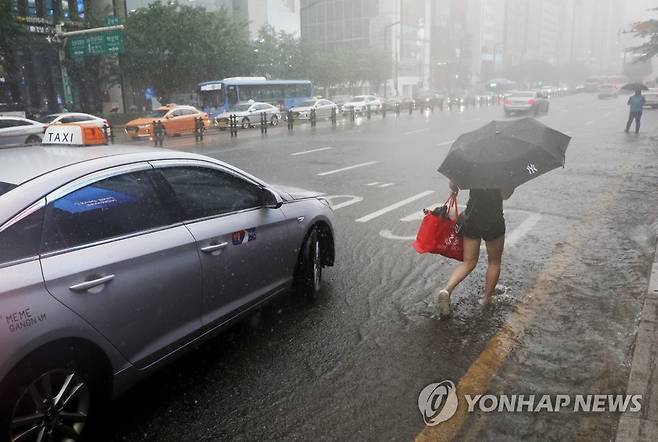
{"type": "Point", "coordinates": [504, 154]}
{"type": "Point", "coordinates": [634, 87]}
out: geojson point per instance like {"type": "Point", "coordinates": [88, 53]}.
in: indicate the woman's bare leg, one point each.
{"type": "Point", "coordinates": [494, 258]}
{"type": "Point", "coordinates": [471, 255]}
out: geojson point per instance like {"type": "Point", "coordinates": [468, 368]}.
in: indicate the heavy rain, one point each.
{"type": "Point", "coordinates": [425, 220]}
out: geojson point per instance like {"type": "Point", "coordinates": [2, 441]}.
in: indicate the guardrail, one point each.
{"type": "Point", "coordinates": [349, 115]}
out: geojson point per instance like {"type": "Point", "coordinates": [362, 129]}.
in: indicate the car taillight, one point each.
{"type": "Point", "coordinates": [531, 101]}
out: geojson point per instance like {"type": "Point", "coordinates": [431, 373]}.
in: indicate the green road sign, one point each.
{"type": "Point", "coordinates": [101, 43]}
{"type": "Point", "coordinates": [113, 20]}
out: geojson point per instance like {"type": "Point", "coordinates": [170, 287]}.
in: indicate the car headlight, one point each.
{"type": "Point", "coordinates": [324, 201]}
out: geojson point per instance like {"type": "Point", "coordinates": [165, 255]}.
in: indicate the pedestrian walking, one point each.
{"type": "Point", "coordinates": [482, 220]}
{"type": "Point", "coordinates": [493, 161]}
{"type": "Point", "coordinates": [636, 103]}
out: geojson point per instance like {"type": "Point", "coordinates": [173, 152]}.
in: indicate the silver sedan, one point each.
{"type": "Point", "coordinates": [322, 107]}
{"type": "Point", "coordinates": [116, 260]}
{"type": "Point", "coordinates": [15, 131]}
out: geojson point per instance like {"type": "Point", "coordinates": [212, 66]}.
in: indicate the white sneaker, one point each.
{"type": "Point", "coordinates": [444, 303]}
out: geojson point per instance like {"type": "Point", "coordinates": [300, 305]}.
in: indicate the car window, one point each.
{"type": "Point", "coordinates": [204, 192]}
{"type": "Point", "coordinates": [116, 206]}
{"type": "Point", "coordinates": [22, 239]}
{"type": "Point", "coordinates": [12, 123]}
{"type": "Point", "coordinates": [71, 119]}
{"type": "Point", "coordinates": [188, 111]}
{"type": "Point", "coordinates": [176, 113]}
{"type": "Point", "coordinates": [6, 187]}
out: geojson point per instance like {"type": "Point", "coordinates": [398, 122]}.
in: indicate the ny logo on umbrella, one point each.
{"type": "Point", "coordinates": [531, 168]}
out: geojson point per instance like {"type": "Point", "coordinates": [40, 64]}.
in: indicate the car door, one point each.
{"type": "Point", "coordinates": [187, 120]}
{"type": "Point", "coordinates": [243, 245]}
{"type": "Point", "coordinates": [13, 131]}
{"type": "Point", "coordinates": [114, 253]}
{"type": "Point", "coordinates": [174, 122]}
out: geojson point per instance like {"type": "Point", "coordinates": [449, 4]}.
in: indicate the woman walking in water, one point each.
{"type": "Point", "coordinates": [482, 220]}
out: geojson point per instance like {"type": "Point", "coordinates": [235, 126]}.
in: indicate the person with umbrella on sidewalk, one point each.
{"type": "Point", "coordinates": [493, 161]}
{"type": "Point", "coordinates": [636, 102]}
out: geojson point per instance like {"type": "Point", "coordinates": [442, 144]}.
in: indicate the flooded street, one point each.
{"type": "Point", "coordinates": [350, 364]}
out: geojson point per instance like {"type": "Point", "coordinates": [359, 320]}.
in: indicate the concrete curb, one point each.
{"type": "Point", "coordinates": [643, 379]}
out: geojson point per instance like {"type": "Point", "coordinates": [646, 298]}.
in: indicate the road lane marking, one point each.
{"type": "Point", "coordinates": [501, 345]}
{"type": "Point", "coordinates": [445, 143]}
{"type": "Point", "coordinates": [386, 185]}
{"type": "Point", "coordinates": [417, 131]}
{"type": "Point", "coordinates": [373, 215]}
{"type": "Point", "coordinates": [351, 199]}
{"type": "Point", "coordinates": [374, 183]}
{"type": "Point", "coordinates": [304, 152]}
{"type": "Point", "coordinates": [525, 227]}
{"type": "Point", "coordinates": [343, 169]}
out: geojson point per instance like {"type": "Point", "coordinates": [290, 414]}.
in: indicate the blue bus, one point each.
{"type": "Point", "coordinates": [215, 97]}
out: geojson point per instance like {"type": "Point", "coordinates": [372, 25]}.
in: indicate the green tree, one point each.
{"type": "Point", "coordinates": [648, 31]}
{"type": "Point", "coordinates": [173, 47]}
{"type": "Point", "coordinates": [278, 54]}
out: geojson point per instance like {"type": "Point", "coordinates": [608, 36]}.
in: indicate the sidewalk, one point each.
{"type": "Point", "coordinates": [643, 379]}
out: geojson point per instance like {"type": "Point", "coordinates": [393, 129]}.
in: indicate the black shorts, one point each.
{"type": "Point", "coordinates": [487, 231]}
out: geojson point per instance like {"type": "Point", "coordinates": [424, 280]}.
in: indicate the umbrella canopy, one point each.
{"type": "Point", "coordinates": [504, 154]}
{"type": "Point", "coordinates": [634, 87]}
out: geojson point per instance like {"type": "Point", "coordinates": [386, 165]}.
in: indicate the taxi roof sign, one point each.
{"type": "Point", "coordinates": [74, 135]}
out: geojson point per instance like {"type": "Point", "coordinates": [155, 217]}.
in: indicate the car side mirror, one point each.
{"type": "Point", "coordinates": [270, 199]}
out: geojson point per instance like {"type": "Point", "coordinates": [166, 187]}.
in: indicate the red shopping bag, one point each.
{"type": "Point", "coordinates": [437, 233]}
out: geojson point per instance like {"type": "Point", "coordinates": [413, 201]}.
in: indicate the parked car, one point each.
{"type": "Point", "coordinates": [248, 114]}
{"type": "Point", "coordinates": [651, 98]}
{"type": "Point", "coordinates": [525, 102]}
{"type": "Point", "coordinates": [16, 131]}
{"type": "Point", "coordinates": [116, 260]}
{"type": "Point", "coordinates": [323, 109]}
{"type": "Point", "coordinates": [608, 91]}
{"type": "Point", "coordinates": [360, 104]}
{"type": "Point", "coordinates": [401, 100]}
{"type": "Point", "coordinates": [175, 119]}
{"type": "Point", "coordinates": [74, 117]}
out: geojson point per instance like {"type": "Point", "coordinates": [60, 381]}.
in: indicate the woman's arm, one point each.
{"type": "Point", "coordinates": [506, 193]}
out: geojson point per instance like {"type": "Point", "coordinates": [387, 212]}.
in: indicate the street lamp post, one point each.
{"type": "Point", "coordinates": [61, 37]}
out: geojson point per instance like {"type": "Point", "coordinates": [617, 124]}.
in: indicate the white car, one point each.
{"type": "Point", "coordinates": [360, 104]}
{"type": "Point", "coordinates": [322, 109]}
{"type": "Point", "coordinates": [17, 131]}
{"type": "Point", "coordinates": [248, 115]}
{"type": "Point", "coordinates": [651, 98]}
{"type": "Point", "coordinates": [74, 117]}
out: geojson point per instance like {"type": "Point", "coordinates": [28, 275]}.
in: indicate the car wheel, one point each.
{"type": "Point", "coordinates": [246, 124]}
{"type": "Point", "coordinates": [274, 121]}
{"type": "Point", "coordinates": [308, 276]}
{"type": "Point", "coordinates": [33, 139]}
{"type": "Point", "coordinates": [54, 394]}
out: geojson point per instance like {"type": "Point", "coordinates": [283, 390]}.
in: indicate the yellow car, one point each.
{"type": "Point", "coordinates": [175, 119]}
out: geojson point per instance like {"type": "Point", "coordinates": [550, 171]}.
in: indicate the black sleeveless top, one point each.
{"type": "Point", "coordinates": [484, 207]}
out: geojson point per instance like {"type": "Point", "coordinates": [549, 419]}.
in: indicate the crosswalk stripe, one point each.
{"type": "Point", "coordinates": [373, 215]}
{"type": "Point", "coordinates": [343, 169]}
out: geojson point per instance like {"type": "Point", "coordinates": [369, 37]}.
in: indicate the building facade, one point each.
{"type": "Point", "coordinates": [32, 78]}
{"type": "Point", "coordinates": [282, 15]}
